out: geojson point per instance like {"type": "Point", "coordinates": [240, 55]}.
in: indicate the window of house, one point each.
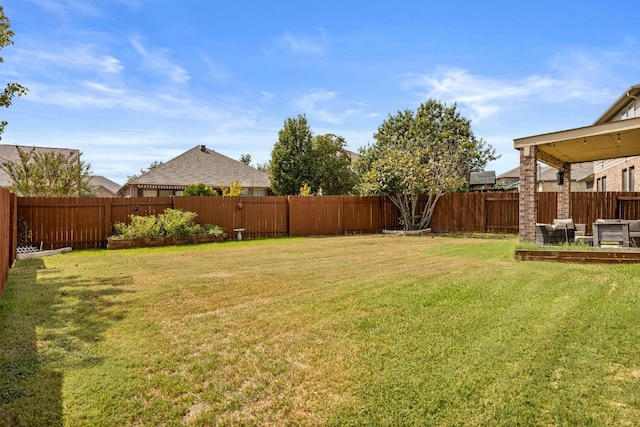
{"type": "Point", "coordinates": [165, 193]}
{"type": "Point", "coordinates": [149, 192]}
{"type": "Point", "coordinates": [625, 186]}
{"type": "Point", "coordinates": [599, 184]}
{"type": "Point", "coordinates": [632, 178]}
{"type": "Point", "coordinates": [629, 112]}
{"type": "Point", "coordinates": [604, 183]}
{"type": "Point", "coordinates": [589, 185]}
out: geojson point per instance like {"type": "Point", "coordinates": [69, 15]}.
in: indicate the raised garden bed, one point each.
{"type": "Point", "coordinates": [595, 256]}
{"type": "Point", "coordinates": [142, 242]}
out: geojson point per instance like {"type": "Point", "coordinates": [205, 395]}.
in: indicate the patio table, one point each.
{"type": "Point", "coordinates": [611, 231]}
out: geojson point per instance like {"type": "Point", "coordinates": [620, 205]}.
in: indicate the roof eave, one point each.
{"type": "Point", "coordinates": [622, 100]}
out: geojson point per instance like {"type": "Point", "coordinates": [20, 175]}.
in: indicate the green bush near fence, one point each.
{"type": "Point", "coordinates": [173, 222]}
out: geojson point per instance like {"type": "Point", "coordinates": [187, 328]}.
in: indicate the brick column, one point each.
{"type": "Point", "coordinates": [564, 193]}
{"type": "Point", "coordinates": [528, 207]}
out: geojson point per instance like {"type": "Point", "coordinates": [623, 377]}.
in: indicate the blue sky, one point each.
{"type": "Point", "coordinates": [129, 82]}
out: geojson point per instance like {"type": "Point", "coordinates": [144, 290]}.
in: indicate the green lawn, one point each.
{"type": "Point", "coordinates": [363, 330]}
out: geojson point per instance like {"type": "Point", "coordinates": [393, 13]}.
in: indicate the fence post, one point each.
{"type": "Point", "coordinates": [13, 228]}
{"type": "Point", "coordinates": [108, 221]}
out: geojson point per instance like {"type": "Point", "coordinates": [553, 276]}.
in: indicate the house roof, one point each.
{"type": "Point", "coordinates": [579, 172]}
{"type": "Point", "coordinates": [101, 181]}
{"type": "Point", "coordinates": [513, 173]}
{"type": "Point", "coordinates": [201, 164]}
{"type": "Point", "coordinates": [482, 178]}
{"type": "Point", "coordinates": [603, 140]}
{"type": "Point", "coordinates": [9, 153]}
{"type": "Point", "coordinates": [622, 101]}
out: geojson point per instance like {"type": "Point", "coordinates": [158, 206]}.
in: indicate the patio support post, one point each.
{"type": "Point", "coordinates": [528, 207]}
{"type": "Point", "coordinates": [564, 193]}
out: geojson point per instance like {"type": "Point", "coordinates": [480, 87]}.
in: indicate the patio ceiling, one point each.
{"type": "Point", "coordinates": [598, 142]}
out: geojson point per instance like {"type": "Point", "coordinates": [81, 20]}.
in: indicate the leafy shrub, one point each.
{"type": "Point", "coordinates": [234, 190]}
{"type": "Point", "coordinates": [139, 226]}
{"type": "Point", "coordinates": [199, 189]}
{"type": "Point", "coordinates": [173, 222]}
{"type": "Point", "coordinates": [176, 222]}
{"type": "Point", "coordinates": [216, 230]}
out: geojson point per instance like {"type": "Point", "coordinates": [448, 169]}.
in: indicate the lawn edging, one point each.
{"type": "Point", "coordinates": [576, 256]}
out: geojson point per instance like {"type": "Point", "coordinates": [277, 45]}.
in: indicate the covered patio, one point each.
{"type": "Point", "coordinates": [604, 140]}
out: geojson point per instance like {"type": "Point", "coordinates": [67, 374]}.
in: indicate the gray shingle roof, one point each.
{"type": "Point", "coordinates": [9, 153]}
{"type": "Point", "coordinates": [482, 178]}
{"type": "Point", "coordinates": [579, 172]}
{"type": "Point", "coordinates": [101, 181]}
{"type": "Point", "coordinates": [201, 164]}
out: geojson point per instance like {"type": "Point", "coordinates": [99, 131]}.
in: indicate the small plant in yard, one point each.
{"type": "Point", "coordinates": [25, 232]}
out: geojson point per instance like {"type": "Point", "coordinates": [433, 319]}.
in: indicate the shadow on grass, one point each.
{"type": "Point", "coordinates": [48, 325]}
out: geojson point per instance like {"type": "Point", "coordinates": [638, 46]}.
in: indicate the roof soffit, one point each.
{"type": "Point", "coordinates": [598, 142]}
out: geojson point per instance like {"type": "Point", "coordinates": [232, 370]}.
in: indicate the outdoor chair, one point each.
{"type": "Point", "coordinates": [560, 231]}
{"type": "Point", "coordinates": [634, 232]}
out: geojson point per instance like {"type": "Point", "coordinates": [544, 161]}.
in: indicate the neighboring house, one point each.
{"type": "Point", "coordinates": [482, 181]}
{"type": "Point", "coordinates": [619, 174]}
{"type": "Point", "coordinates": [9, 153]}
{"type": "Point", "coordinates": [198, 165]}
{"type": "Point", "coordinates": [105, 187]}
{"type": "Point", "coordinates": [582, 178]}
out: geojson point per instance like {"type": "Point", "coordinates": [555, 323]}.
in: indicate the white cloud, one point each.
{"type": "Point", "coordinates": [156, 60]}
{"type": "Point", "coordinates": [309, 104]}
{"type": "Point", "coordinates": [305, 45]}
{"type": "Point", "coordinates": [63, 9]}
{"type": "Point", "coordinates": [78, 58]}
{"type": "Point", "coordinates": [484, 96]}
{"type": "Point", "coordinates": [266, 96]}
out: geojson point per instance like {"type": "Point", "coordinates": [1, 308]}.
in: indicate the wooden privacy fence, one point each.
{"type": "Point", "coordinates": [8, 235]}
{"type": "Point", "coordinates": [84, 223]}
{"type": "Point", "coordinates": [87, 222]}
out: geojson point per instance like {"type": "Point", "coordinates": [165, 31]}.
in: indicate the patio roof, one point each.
{"type": "Point", "coordinates": [586, 144]}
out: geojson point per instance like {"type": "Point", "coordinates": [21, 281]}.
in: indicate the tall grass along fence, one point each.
{"type": "Point", "coordinates": [87, 222]}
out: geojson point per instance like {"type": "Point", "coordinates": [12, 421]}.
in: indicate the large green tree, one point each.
{"type": "Point", "coordinates": [298, 158]}
{"type": "Point", "coordinates": [334, 174]}
{"type": "Point", "coordinates": [292, 162]}
{"type": "Point", "coordinates": [12, 89]}
{"type": "Point", "coordinates": [425, 153]}
{"type": "Point", "coordinates": [49, 174]}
